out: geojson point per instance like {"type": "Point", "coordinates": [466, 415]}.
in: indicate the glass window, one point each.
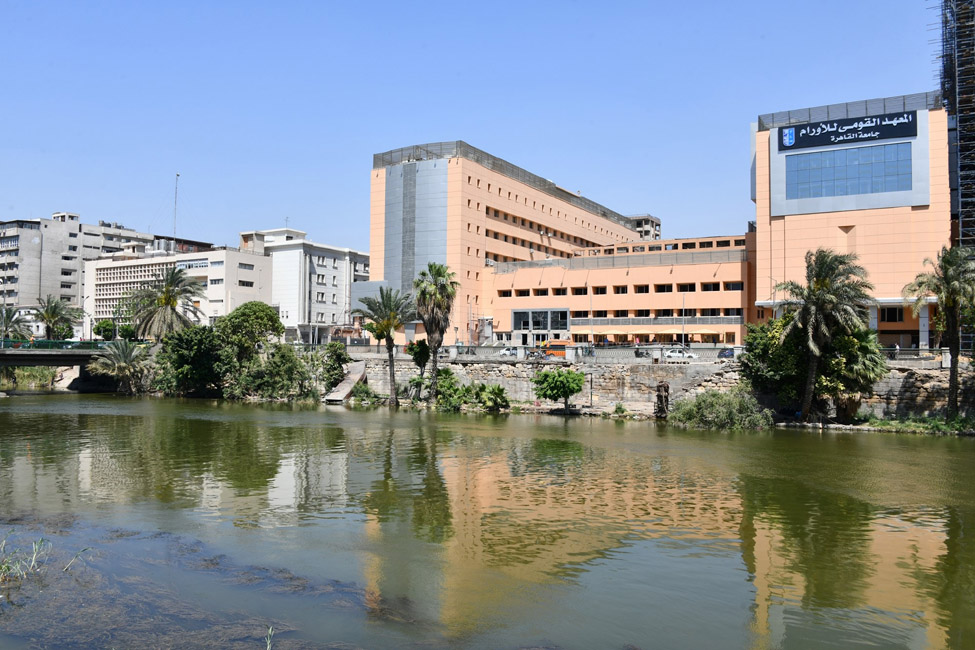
{"type": "Point", "coordinates": [539, 320]}
{"type": "Point", "coordinates": [845, 172]}
{"type": "Point", "coordinates": [519, 320]}
{"type": "Point", "coordinates": [560, 320]}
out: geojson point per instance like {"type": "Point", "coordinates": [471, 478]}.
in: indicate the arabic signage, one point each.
{"type": "Point", "coordinates": [849, 130]}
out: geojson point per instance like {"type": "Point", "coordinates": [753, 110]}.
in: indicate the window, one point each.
{"type": "Point", "coordinates": [578, 291]}
{"type": "Point", "coordinates": [706, 244]}
{"type": "Point", "coordinates": [320, 296]}
{"type": "Point", "coordinates": [245, 283]}
{"type": "Point", "coordinates": [334, 298]}
{"type": "Point", "coordinates": [848, 172]}
{"type": "Point", "coordinates": [214, 281]}
{"type": "Point", "coordinates": [724, 243]}
{"type": "Point", "coordinates": [519, 320]}
{"type": "Point", "coordinates": [245, 267]}
{"type": "Point", "coordinates": [559, 291]}
{"type": "Point", "coordinates": [621, 313]}
{"type": "Point", "coordinates": [663, 288]}
{"type": "Point", "coordinates": [334, 318]}
{"type": "Point", "coordinates": [504, 293]}
{"type": "Point", "coordinates": [560, 320]}
{"type": "Point", "coordinates": [620, 289]}
{"type": "Point", "coordinates": [686, 287]}
{"type": "Point", "coordinates": [710, 286]}
{"type": "Point", "coordinates": [215, 263]}
{"type": "Point", "coordinates": [736, 311]}
{"type": "Point", "coordinates": [580, 314]}
{"type": "Point", "coordinates": [688, 245]}
{"type": "Point", "coordinates": [72, 248]}
{"type": "Point", "coordinates": [665, 313]}
{"type": "Point", "coordinates": [686, 313]}
{"type": "Point", "coordinates": [641, 288]}
{"type": "Point", "coordinates": [541, 292]}
{"type": "Point", "coordinates": [599, 313]}
{"type": "Point", "coordinates": [522, 293]}
{"type": "Point", "coordinates": [539, 320]}
{"type": "Point", "coordinates": [599, 291]}
{"type": "Point", "coordinates": [739, 242]}
{"type": "Point", "coordinates": [761, 312]}
{"type": "Point", "coordinates": [711, 312]}
{"type": "Point", "coordinates": [891, 314]}
{"type": "Point", "coordinates": [734, 286]}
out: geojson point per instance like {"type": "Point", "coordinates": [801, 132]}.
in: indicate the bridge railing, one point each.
{"type": "Point", "coordinates": [47, 344]}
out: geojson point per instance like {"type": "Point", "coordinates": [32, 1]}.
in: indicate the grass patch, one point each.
{"type": "Point", "coordinates": [922, 424]}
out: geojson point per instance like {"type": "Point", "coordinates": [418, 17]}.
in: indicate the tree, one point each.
{"type": "Point", "coordinates": [13, 325]}
{"type": "Point", "coordinates": [329, 366]}
{"type": "Point", "coordinates": [436, 288]}
{"type": "Point", "coordinates": [189, 362]}
{"type": "Point", "coordinates": [248, 328]}
{"type": "Point", "coordinates": [124, 361]}
{"type": "Point", "coordinates": [54, 313]}
{"type": "Point", "coordinates": [127, 332]}
{"type": "Point", "coordinates": [105, 329]}
{"type": "Point", "coordinates": [952, 282]}
{"type": "Point", "coordinates": [162, 307]}
{"type": "Point", "coordinates": [386, 314]}
{"type": "Point", "coordinates": [558, 384]}
{"type": "Point", "coordinates": [855, 364]}
{"type": "Point", "coordinates": [834, 300]}
{"type": "Point", "coordinates": [419, 351]}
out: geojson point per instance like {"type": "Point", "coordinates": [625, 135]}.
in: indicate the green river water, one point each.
{"type": "Point", "coordinates": [207, 522]}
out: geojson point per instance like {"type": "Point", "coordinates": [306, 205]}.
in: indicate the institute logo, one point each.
{"type": "Point", "coordinates": [788, 137]}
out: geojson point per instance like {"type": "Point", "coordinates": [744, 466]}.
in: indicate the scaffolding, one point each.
{"type": "Point", "coordinates": [958, 91]}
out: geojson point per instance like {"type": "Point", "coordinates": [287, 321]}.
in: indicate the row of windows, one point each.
{"type": "Point", "coordinates": [653, 248]}
{"type": "Point", "coordinates": [320, 296]}
{"type": "Point", "coordinates": [323, 279]}
{"type": "Point", "coordinates": [493, 234]}
{"type": "Point", "coordinates": [624, 289]}
{"type": "Point", "coordinates": [846, 172]}
{"type": "Point", "coordinates": [535, 206]}
{"type": "Point", "coordinates": [659, 313]}
{"type": "Point", "coordinates": [532, 225]}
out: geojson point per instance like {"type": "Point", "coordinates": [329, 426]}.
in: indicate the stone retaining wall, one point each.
{"type": "Point", "coordinates": [634, 385]}
{"type": "Point", "coordinates": [913, 391]}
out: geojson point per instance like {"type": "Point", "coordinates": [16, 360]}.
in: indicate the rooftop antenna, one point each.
{"type": "Point", "coordinates": [175, 200]}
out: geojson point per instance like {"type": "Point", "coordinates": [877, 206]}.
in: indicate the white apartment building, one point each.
{"type": "Point", "coordinates": [231, 277]}
{"type": "Point", "coordinates": [311, 283]}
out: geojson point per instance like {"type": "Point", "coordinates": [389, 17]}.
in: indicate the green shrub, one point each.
{"type": "Point", "coordinates": [363, 393]}
{"type": "Point", "coordinates": [619, 409]}
{"type": "Point", "coordinates": [559, 384]}
{"type": "Point", "coordinates": [737, 409]}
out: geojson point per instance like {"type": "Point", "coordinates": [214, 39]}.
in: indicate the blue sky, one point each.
{"type": "Point", "coordinates": [273, 110]}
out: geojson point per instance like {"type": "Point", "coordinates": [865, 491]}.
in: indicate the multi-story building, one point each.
{"type": "Point", "coordinates": [46, 257]}
{"type": "Point", "coordinates": [231, 277]}
{"type": "Point", "coordinates": [867, 177]}
{"type": "Point", "coordinates": [646, 225]}
{"type": "Point", "coordinates": [311, 283]}
{"type": "Point", "coordinates": [451, 203]}
{"type": "Point", "coordinates": [689, 290]}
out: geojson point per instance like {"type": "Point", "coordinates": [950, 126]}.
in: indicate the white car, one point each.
{"type": "Point", "coordinates": [678, 353]}
{"type": "Point", "coordinates": [508, 352]}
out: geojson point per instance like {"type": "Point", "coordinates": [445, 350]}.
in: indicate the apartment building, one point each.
{"type": "Point", "coordinates": [311, 283]}
{"type": "Point", "coordinates": [230, 276]}
{"type": "Point", "coordinates": [866, 177]}
{"type": "Point", "coordinates": [451, 203]}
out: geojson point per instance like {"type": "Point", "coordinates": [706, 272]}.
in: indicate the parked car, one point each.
{"type": "Point", "coordinates": [679, 354]}
{"type": "Point", "coordinates": [508, 352]}
{"type": "Point", "coordinates": [726, 353]}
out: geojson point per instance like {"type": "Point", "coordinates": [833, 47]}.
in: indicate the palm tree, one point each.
{"type": "Point", "coordinates": [13, 324]}
{"type": "Point", "coordinates": [952, 282]}
{"type": "Point", "coordinates": [834, 299]}
{"type": "Point", "coordinates": [163, 306]}
{"type": "Point", "coordinates": [53, 313]}
{"type": "Point", "coordinates": [863, 365]}
{"type": "Point", "coordinates": [124, 361]}
{"type": "Point", "coordinates": [386, 314]}
{"type": "Point", "coordinates": [436, 288]}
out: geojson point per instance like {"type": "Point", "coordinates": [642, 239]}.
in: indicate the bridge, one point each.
{"type": "Point", "coordinates": [45, 357]}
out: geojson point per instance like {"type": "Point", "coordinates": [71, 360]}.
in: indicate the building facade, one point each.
{"type": "Point", "coordinates": [453, 204]}
{"type": "Point", "coordinates": [868, 177]}
{"type": "Point", "coordinates": [230, 276]}
{"type": "Point", "coordinates": [311, 283]}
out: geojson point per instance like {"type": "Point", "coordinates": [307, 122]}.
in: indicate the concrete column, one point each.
{"type": "Point", "coordinates": [452, 352]}
{"type": "Point", "coordinates": [521, 353]}
{"type": "Point", "coordinates": [922, 327]}
{"type": "Point", "coordinates": [873, 317]}
{"type": "Point", "coordinates": [570, 354]}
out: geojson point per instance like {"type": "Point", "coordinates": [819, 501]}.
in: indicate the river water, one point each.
{"type": "Point", "coordinates": [204, 523]}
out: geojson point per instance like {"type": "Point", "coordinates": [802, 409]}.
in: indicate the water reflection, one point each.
{"type": "Point", "coordinates": [482, 524]}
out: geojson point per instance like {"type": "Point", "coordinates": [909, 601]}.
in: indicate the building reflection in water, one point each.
{"type": "Point", "coordinates": [466, 529]}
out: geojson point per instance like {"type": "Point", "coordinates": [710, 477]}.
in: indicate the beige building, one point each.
{"type": "Point", "coordinates": [868, 177]}
{"type": "Point", "coordinates": [230, 276]}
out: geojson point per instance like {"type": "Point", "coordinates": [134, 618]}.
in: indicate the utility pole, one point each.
{"type": "Point", "coordinates": [175, 201]}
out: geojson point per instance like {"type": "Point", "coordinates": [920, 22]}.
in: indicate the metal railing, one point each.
{"type": "Point", "coordinates": [46, 344]}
